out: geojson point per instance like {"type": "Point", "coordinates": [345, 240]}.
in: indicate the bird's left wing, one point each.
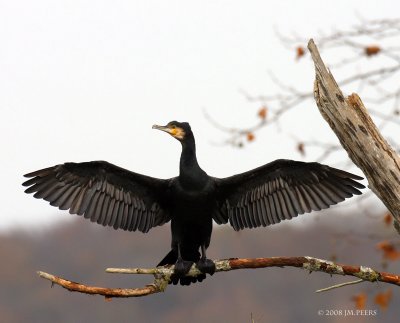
{"type": "Point", "coordinates": [280, 190]}
{"type": "Point", "coordinates": [103, 193]}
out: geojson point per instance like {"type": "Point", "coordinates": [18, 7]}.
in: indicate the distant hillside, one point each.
{"type": "Point", "coordinates": [81, 251]}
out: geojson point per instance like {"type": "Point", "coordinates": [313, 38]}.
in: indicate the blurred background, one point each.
{"type": "Point", "coordinates": [84, 80]}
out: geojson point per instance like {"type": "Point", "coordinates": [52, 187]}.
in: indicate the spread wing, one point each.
{"type": "Point", "coordinates": [103, 193]}
{"type": "Point", "coordinates": [281, 190]}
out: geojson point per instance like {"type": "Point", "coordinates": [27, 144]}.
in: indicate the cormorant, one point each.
{"type": "Point", "coordinates": [110, 195]}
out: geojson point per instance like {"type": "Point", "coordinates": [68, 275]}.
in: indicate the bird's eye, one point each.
{"type": "Point", "coordinates": [173, 127]}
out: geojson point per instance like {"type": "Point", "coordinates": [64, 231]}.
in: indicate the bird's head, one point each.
{"type": "Point", "coordinates": [178, 130]}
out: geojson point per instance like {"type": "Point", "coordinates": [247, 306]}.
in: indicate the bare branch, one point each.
{"type": "Point", "coordinates": [163, 274]}
{"type": "Point", "coordinates": [104, 291]}
{"type": "Point", "coordinates": [369, 59]}
{"type": "Point", "coordinates": [354, 282]}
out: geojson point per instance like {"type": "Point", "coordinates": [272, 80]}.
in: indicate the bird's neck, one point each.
{"type": "Point", "coordinates": [188, 156]}
{"type": "Point", "coordinates": [189, 169]}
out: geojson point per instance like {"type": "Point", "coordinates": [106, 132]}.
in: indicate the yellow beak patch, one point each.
{"type": "Point", "coordinates": [178, 133]}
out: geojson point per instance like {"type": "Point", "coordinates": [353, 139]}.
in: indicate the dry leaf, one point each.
{"type": "Point", "coordinates": [389, 250]}
{"type": "Point", "coordinates": [262, 113]}
{"type": "Point", "coordinates": [388, 219]}
{"type": "Point", "coordinates": [300, 52]}
{"type": "Point", "coordinates": [250, 136]}
{"type": "Point", "coordinates": [383, 299]}
{"type": "Point", "coordinates": [300, 149]}
{"type": "Point", "coordinates": [360, 301]}
{"type": "Point", "coordinates": [372, 50]}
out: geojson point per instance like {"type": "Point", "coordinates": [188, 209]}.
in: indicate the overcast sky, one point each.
{"type": "Point", "coordinates": [86, 80]}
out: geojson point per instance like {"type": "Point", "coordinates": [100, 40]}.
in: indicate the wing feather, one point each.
{"type": "Point", "coordinates": [91, 209]}
{"type": "Point", "coordinates": [114, 218]}
{"type": "Point", "coordinates": [259, 215]}
{"type": "Point", "coordinates": [280, 191]}
{"type": "Point", "coordinates": [104, 193]}
{"type": "Point", "coordinates": [67, 202]}
{"type": "Point", "coordinates": [56, 198]}
{"type": "Point", "coordinates": [99, 208]}
{"type": "Point", "coordinates": [291, 208]}
{"type": "Point", "coordinates": [275, 218]}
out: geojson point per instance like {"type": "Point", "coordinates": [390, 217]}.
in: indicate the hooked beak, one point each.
{"type": "Point", "coordinates": [162, 128]}
{"type": "Point", "coordinates": [174, 131]}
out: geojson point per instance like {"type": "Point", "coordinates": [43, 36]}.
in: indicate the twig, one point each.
{"type": "Point", "coordinates": [340, 285]}
{"type": "Point", "coordinates": [163, 274]}
{"type": "Point", "coordinates": [369, 43]}
{"type": "Point", "coordinates": [104, 291]}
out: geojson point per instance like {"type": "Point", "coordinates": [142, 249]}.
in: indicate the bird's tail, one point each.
{"type": "Point", "coordinates": [169, 259]}
{"type": "Point", "coordinates": [172, 257]}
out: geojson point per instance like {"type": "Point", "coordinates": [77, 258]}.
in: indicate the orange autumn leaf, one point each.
{"type": "Point", "coordinates": [250, 136]}
{"type": "Point", "coordinates": [388, 219]}
{"type": "Point", "coordinates": [383, 299]}
{"type": "Point", "coordinates": [389, 250]}
{"type": "Point", "coordinates": [262, 113]}
{"type": "Point", "coordinates": [360, 301]}
{"type": "Point", "coordinates": [300, 52]}
{"type": "Point", "coordinates": [372, 50]}
{"type": "Point", "coordinates": [300, 149]}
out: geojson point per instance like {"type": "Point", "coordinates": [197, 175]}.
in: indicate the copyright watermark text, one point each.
{"type": "Point", "coordinates": [347, 312]}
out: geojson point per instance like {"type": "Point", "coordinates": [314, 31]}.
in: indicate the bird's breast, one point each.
{"type": "Point", "coordinates": [198, 199]}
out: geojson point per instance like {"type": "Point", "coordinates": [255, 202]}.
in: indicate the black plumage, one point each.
{"type": "Point", "coordinates": [112, 196]}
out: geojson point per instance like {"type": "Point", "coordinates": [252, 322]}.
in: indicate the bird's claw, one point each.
{"type": "Point", "coordinates": [206, 266]}
{"type": "Point", "coordinates": [182, 267]}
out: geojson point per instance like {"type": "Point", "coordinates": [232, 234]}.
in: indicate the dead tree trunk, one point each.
{"type": "Point", "coordinates": [357, 133]}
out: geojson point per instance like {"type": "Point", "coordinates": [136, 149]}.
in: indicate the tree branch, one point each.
{"type": "Point", "coordinates": [354, 282]}
{"type": "Point", "coordinates": [370, 60]}
{"type": "Point", "coordinates": [104, 291]}
{"type": "Point", "coordinates": [358, 135]}
{"type": "Point", "coordinates": [162, 275]}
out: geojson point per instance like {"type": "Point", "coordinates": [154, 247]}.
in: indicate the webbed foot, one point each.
{"type": "Point", "coordinates": [182, 267]}
{"type": "Point", "coordinates": [206, 266]}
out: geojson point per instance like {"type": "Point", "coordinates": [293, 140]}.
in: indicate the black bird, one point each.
{"type": "Point", "coordinates": [110, 195]}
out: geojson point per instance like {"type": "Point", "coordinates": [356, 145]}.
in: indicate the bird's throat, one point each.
{"type": "Point", "coordinates": [189, 170]}
{"type": "Point", "coordinates": [188, 157]}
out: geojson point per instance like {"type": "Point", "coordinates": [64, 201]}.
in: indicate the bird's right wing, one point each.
{"type": "Point", "coordinates": [281, 190]}
{"type": "Point", "coordinates": [103, 193]}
